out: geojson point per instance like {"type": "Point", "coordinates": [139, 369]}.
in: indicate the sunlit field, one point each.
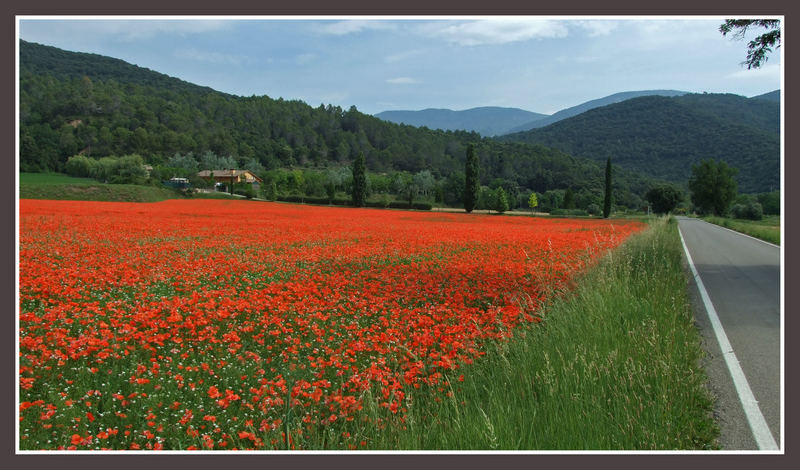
{"type": "Point", "coordinates": [210, 324]}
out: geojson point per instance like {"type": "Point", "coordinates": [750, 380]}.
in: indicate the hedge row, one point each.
{"type": "Point", "coordinates": [569, 212]}
{"type": "Point", "coordinates": [422, 206]}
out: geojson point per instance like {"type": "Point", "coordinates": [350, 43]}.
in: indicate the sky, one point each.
{"type": "Point", "coordinates": [540, 64]}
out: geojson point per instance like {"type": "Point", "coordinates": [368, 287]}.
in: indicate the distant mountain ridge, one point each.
{"type": "Point", "coordinates": [771, 96]}
{"type": "Point", "coordinates": [492, 121]}
{"type": "Point", "coordinates": [664, 136]}
{"type": "Point", "coordinates": [487, 120]}
{"type": "Point", "coordinates": [583, 107]}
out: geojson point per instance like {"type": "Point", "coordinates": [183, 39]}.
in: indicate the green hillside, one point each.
{"type": "Point", "coordinates": [74, 103]}
{"type": "Point", "coordinates": [663, 137]}
{"type": "Point", "coordinates": [583, 107]}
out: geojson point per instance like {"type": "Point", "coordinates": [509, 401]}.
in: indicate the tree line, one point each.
{"type": "Point", "coordinates": [83, 104]}
{"type": "Point", "coordinates": [713, 191]}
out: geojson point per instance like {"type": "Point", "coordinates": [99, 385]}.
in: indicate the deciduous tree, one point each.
{"type": "Point", "coordinates": [713, 186]}
{"type": "Point", "coordinates": [533, 201]}
{"type": "Point", "coordinates": [664, 198]}
{"type": "Point", "coordinates": [500, 200]}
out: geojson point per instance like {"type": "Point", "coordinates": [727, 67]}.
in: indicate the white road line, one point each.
{"type": "Point", "coordinates": [758, 425]}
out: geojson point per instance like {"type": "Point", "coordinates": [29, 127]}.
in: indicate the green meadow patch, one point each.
{"type": "Point", "coordinates": [767, 229]}
{"type": "Point", "coordinates": [56, 186]}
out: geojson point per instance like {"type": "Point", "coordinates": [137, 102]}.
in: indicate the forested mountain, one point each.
{"type": "Point", "coordinates": [771, 96]}
{"type": "Point", "coordinates": [583, 107]}
{"type": "Point", "coordinates": [487, 121]}
{"type": "Point", "coordinates": [73, 103]}
{"type": "Point", "coordinates": [663, 137]}
{"type": "Point", "coordinates": [44, 60]}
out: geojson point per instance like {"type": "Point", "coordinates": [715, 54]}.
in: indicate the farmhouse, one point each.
{"type": "Point", "coordinates": [225, 180]}
{"type": "Point", "coordinates": [230, 175]}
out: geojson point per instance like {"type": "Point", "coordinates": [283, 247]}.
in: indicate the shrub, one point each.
{"type": "Point", "coordinates": [128, 169]}
{"type": "Point", "coordinates": [750, 211]}
{"type": "Point", "coordinates": [422, 206]}
{"type": "Point", "coordinates": [80, 166]}
{"type": "Point", "coordinates": [291, 198]}
{"type": "Point", "coordinates": [569, 212]}
{"type": "Point", "coordinates": [770, 202]}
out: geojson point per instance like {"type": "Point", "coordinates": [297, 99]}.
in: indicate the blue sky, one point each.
{"type": "Point", "coordinates": [540, 64]}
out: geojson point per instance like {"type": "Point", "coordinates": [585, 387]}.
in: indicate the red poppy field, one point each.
{"type": "Point", "coordinates": [212, 324]}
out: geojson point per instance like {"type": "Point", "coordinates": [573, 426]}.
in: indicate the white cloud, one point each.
{"type": "Point", "coordinates": [403, 81]}
{"type": "Point", "coordinates": [341, 28]}
{"type": "Point", "coordinates": [126, 30]}
{"type": "Point", "coordinates": [211, 57]}
{"type": "Point", "coordinates": [335, 97]}
{"type": "Point", "coordinates": [767, 71]}
{"type": "Point", "coordinates": [401, 56]}
{"type": "Point", "coordinates": [305, 59]}
{"type": "Point", "coordinates": [651, 35]}
{"type": "Point", "coordinates": [579, 59]}
{"type": "Point", "coordinates": [497, 31]}
{"type": "Point", "coordinates": [598, 27]}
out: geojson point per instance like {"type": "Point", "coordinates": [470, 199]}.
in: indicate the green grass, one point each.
{"type": "Point", "coordinates": [216, 195]}
{"type": "Point", "coordinates": [39, 179]}
{"type": "Point", "coordinates": [767, 229]}
{"type": "Point", "coordinates": [614, 365]}
{"type": "Point", "coordinates": [56, 186]}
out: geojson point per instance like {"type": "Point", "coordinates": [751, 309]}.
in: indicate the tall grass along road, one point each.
{"type": "Point", "coordinates": [615, 364]}
{"type": "Point", "coordinates": [742, 279]}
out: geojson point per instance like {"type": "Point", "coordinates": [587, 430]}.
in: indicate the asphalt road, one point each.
{"type": "Point", "coordinates": [742, 277]}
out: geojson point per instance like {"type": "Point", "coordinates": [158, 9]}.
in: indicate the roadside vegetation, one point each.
{"type": "Point", "coordinates": [614, 365]}
{"type": "Point", "coordinates": [767, 229]}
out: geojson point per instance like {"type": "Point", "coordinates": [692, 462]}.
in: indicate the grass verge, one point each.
{"type": "Point", "coordinates": [614, 365]}
{"type": "Point", "coordinates": [767, 229]}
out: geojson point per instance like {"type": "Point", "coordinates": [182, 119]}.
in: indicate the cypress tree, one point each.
{"type": "Point", "coordinates": [607, 200]}
{"type": "Point", "coordinates": [471, 182]}
{"type": "Point", "coordinates": [359, 181]}
{"type": "Point", "coordinates": [569, 199]}
{"type": "Point", "coordinates": [500, 200]}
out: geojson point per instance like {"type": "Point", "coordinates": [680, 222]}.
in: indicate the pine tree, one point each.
{"type": "Point", "coordinates": [359, 181]}
{"type": "Point", "coordinates": [471, 182]}
{"type": "Point", "coordinates": [607, 200]}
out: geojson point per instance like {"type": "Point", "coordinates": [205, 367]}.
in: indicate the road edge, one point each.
{"type": "Point", "coordinates": [755, 419]}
